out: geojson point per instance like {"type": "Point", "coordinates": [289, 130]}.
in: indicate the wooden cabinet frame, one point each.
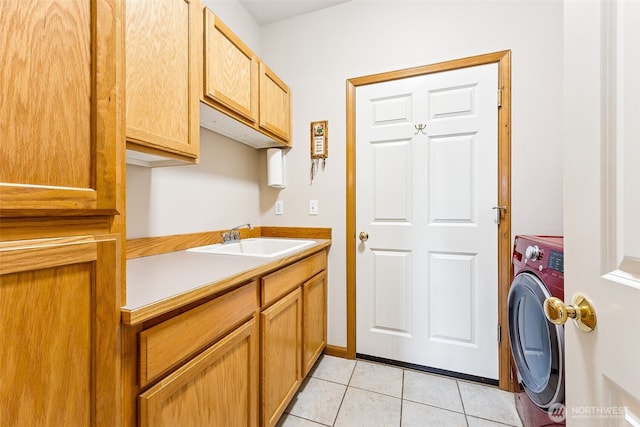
{"type": "Point", "coordinates": [84, 163]}
{"type": "Point", "coordinates": [163, 103]}
{"type": "Point", "coordinates": [73, 382]}
{"type": "Point", "coordinates": [169, 401]}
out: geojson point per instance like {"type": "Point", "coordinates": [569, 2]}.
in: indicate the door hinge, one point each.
{"type": "Point", "coordinates": [499, 333]}
{"type": "Point", "coordinates": [499, 97]}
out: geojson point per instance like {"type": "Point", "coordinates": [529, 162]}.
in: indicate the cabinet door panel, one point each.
{"type": "Point", "coordinates": [59, 318]}
{"type": "Point", "coordinates": [231, 69]}
{"type": "Point", "coordinates": [281, 351]}
{"type": "Point", "coordinates": [217, 388]}
{"type": "Point", "coordinates": [314, 320]}
{"type": "Point", "coordinates": [162, 75]}
{"type": "Point", "coordinates": [167, 344]}
{"type": "Point", "coordinates": [58, 128]}
{"type": "Point", "coordinates": [275, 104]}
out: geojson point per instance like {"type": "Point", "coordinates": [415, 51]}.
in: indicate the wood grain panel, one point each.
{"type": "Point", "coordinates": [231, 69]}
{"type": "Point", "coordinates": [277, 284]}
{"type": "Point", "coordinates": [314, 320]}
{"type": "Point", "coordinates": [166, 345]}
{"type": "Point", "coordinates": [37, 77]}
{"type": "Point", "coordinates": [161, 77]}
{"type": "Point", "coordinates": [40, 318]}
{"type": "Point", "coordinates": [222, 380]}
{"type": "Point", "coordinates": [275, 104]}
{"type": "Point", "coordinates": [59, 322]}
{"type": "Point", "coordinates": [31, 228]}
{"type": "Point", "coordinates": [281, 352]}
{"type": "Point", "coordinates": [59, 132]}
{"type": "Point", "coordinates": [296, 232]}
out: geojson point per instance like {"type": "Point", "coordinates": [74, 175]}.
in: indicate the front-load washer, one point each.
{"type": "Point", "coordinates": [537, 345]}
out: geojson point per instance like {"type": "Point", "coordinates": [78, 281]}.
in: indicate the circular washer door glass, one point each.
{"type": "Point", "coordinates": [537, 345]}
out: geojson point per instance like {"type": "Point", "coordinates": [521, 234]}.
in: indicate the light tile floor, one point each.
{"type": "Point", "coordinates": [350, 393]}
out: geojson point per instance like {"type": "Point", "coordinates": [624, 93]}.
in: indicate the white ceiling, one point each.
{"type": "Point", "coordinates": [269, 11]}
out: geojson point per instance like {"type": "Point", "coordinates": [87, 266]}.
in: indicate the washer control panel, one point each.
{"type": "Point", "coordinates": [540, 253]}
{"type": "Point", "coordinates": [556, 261]}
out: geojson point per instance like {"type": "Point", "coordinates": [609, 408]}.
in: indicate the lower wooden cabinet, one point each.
{"type": "Point", "coordinates": [280, 356]}
{"type": "Point", "coordinates": [235, 360]}
{"type": "Point", "coordinates": [216, 388]}
{"type": "Point", "coordinates": [292, 331]}
{"type": "Point", "coordinates": [59, 317]}
{"type": "Point", "coordinates": [314, 320]}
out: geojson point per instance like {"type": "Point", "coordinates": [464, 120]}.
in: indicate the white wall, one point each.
{"type": "Point", "coordinates": [316, 53]}
{"type": "Point", "coordinates": [222, 191]}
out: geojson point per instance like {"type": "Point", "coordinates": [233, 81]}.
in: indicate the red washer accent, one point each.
{"type": "Point", "coordinates": [530, 413]}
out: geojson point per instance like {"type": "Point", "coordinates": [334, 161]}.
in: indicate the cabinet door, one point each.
{"type": "Point", "coordinates": [275, 105]}
{"type": "Point", "coordinates": [59, 141]}
{"type": "Point", "coordinates": [231, 69]}
{"type": "Point", "coordinates": [216, 388]}
{"type": "Point", "coordinates": [59, 317]}
{"type": "Point", "coordinates": [281, 350]}
{"type": "Point", "coordinates": [314, 320]}
{"type": "Point", "coordinates": [162, 48]}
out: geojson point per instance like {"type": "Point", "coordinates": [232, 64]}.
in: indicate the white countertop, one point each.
{"type": "Point", "coordinates": [159, 283]}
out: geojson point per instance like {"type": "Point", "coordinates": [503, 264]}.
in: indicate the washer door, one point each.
{"type": "Point", "coordinates": [537, 345]}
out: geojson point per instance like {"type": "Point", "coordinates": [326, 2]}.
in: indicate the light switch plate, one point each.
{"type": "Point", "coordinates": [313, 207]}
{"type": "Point", "coordinates": [279, 207]}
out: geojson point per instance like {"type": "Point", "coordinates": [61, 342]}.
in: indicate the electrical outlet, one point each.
{"type": "Point", "coordinates": [279, 208]}
{"type": "Point", "coordinates": [313, 207]}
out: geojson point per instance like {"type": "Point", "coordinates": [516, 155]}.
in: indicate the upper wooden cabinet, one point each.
{"type": "Point", "coordinates": [239, 85]}
{"type": "Point", "coordinates": [231, 69]}
{"type": "Point", "coordinates": [59, 136]}
{"type": "Point", "coordinates": [162, 78]}
{"type": "Point", "coordinates": [275, 104]}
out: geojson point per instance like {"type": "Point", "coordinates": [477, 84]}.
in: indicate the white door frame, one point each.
{"type": "Point", "coordinates": [503, 59]}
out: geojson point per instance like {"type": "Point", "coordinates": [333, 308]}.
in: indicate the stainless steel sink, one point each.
{"type": "Point", "coordinates": [257, 247]}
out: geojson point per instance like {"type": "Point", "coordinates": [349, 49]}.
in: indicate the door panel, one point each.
{"type": "Point", "coordinates": [392, 289]}
{"type": "Point", "coordinates": [427, 165]}
{"type": "Point", "coordinates": [602, 206]}
{"type": "Point", "coordinates": [392, 181]}
{"type": "Point", "coordinates": [453, 202]}
{"type": "Point", "coordinates": [452, 285]}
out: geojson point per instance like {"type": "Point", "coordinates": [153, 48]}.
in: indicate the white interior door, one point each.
{"type": "Point", "coordinates": [426, 150]}
{"type": "Point", "coordinates": [602, 209]}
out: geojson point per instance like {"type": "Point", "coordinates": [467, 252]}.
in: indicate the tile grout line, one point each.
{"type": "Point", "coordinates": [344, 394]}
{"type": "Point", "coordinates": [464, 410]}
{"type": "Point", "coordinates": [402, 397]}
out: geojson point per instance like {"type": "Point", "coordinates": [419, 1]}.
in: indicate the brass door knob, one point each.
{"type": "Point", "coordinates": [581, 311]}
{"type": "Point", "coordinates": [363, 236]}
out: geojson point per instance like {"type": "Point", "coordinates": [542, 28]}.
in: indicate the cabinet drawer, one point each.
{"type": "Point", "coordinates": [277, 284]}
{"type": "Point", "coordinates": [169, 343]}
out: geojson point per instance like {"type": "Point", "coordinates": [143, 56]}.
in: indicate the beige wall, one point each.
{"type": "Point", "coordinates": [315, 54]}
{"type": "Point", "coordinates": [220, 192]}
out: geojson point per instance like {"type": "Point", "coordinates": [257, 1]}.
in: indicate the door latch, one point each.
{"type": "Point", "coordinates": [499, 210]}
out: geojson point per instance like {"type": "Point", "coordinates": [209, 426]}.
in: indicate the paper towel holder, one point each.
{"type": "Point", "coordinates": [276, 168]}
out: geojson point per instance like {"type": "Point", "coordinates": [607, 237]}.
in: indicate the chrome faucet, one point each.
{"type": "Point", "coordinates": [234, 235]}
